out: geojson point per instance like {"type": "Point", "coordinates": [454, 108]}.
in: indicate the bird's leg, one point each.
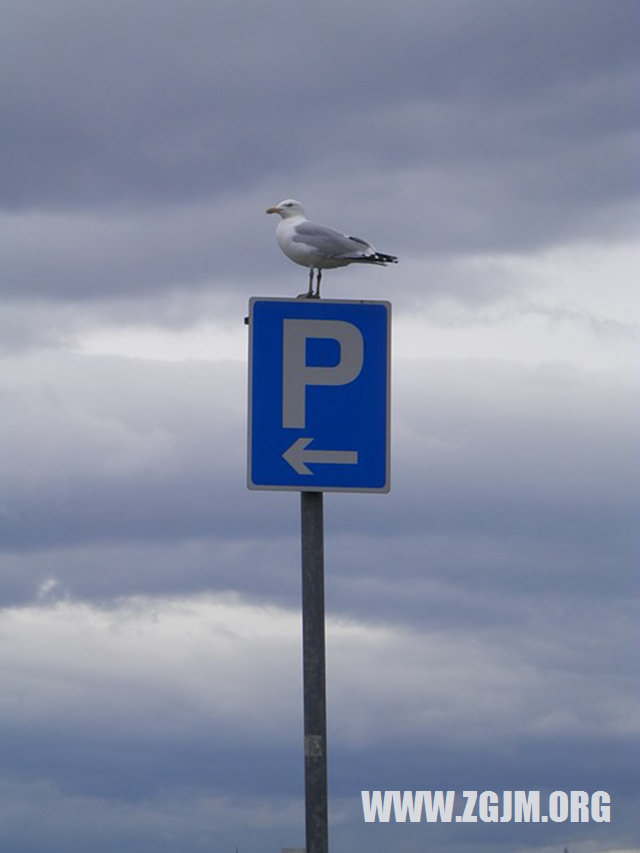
{"type": "Point", "coordinates": [310, 291]}
{"type": "Point", "coordinates": [318, 277]}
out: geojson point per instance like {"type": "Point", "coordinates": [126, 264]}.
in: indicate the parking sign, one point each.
{"type": "Point", "coordinates": [319, 376]}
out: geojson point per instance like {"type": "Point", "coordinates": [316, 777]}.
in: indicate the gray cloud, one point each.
{"type": "Point", "coordinates": [120, 457]}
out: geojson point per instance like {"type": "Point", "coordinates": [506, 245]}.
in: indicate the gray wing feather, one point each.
{"type": "Point", "coordinates": [329, 241]}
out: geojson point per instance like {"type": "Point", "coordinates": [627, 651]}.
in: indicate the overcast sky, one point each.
{"type": "Point", "coordinates": [482, 617]}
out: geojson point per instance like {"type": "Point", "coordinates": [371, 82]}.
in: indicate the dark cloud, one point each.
{"type": "Point", "coordinates": [140, 136]}
{"type": "Point", "coordinates": [145, 103]}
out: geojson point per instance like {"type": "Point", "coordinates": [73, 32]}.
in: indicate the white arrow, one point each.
{"type": "Point", "coordinates": [297, 456]}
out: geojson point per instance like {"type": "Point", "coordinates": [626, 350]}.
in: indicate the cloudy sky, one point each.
{"type": "Point", "coordinates": [481, 616]}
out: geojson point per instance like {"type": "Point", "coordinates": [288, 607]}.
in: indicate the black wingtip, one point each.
{"type": "Point", "coordinates": [385, 259]}
{"type": "Point", "coordinates": [378, 258]}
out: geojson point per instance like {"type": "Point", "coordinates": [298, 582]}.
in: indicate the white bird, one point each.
{"type": "Point", "coordinates": [318, 246]}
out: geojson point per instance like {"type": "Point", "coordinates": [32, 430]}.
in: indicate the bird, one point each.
{"type": "Point", "coordinates": [319, 247]}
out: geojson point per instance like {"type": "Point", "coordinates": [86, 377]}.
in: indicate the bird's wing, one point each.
{"type": "Point", "coordinates": [328, 241]}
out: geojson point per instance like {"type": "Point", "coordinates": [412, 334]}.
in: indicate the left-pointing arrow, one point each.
{"type": "Point", "coordinates": [298, 456]}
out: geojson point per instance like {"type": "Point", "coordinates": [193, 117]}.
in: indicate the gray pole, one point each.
{"type": "Point", "coordinates": [313, 661]}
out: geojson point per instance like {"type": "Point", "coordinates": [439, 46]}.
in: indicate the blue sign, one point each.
{"type": "Point", "coordinates": [319, 395]}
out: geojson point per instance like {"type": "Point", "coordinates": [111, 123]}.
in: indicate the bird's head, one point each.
{"type": "Point", "coordinates": [287, 208]}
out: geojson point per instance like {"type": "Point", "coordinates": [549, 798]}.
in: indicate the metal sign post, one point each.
{"type": "Point", "coordinates": [313, 657]}
{"type": "Point", "coordinates": [318, 421]}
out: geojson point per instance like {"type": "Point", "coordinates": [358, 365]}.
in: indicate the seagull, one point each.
{"type": "Point", "coordinates": [318, 246]}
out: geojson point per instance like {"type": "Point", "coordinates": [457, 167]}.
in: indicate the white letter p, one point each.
{"type": "Point", "coordinates": [296, 375]}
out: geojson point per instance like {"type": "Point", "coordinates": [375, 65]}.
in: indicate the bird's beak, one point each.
{"type": "Point", "coordinates": [272, 210]}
